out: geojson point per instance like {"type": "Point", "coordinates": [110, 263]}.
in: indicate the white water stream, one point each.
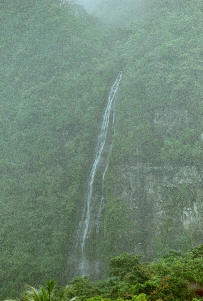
{"type": "Point", "coordinates": [99, 150]}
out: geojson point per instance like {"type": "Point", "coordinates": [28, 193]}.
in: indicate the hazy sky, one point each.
{"type": "Point", "coordinates": [89, 4]}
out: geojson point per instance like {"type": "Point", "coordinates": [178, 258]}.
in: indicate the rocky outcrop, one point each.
{"type": "Point", "coordinates": [165, 208]}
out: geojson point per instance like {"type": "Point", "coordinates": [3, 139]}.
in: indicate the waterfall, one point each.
{"type": "Point", "coordinates": [99, 150]}
{"type": "Point", "coordinates": [99, 214]}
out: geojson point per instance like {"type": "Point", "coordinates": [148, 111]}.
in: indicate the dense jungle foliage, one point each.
{"type": "Point", "coordinates": [175, 278]}
{"type": "Point", "coordinates": [57, 66]}
{"type": "Point", "coordinates": [159, 124]}
{"type": "Point", "coordinates": [52, 71]}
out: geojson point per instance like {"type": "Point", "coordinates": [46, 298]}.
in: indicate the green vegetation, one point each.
{"type": "Point", "coordinates": [53, 70]}
{"type": "Point", "coordinates": [158, 134]}
{"type": "Point", "coordinates": [57, 66]}
{"type": "Point", "coordinates": [129, 279]}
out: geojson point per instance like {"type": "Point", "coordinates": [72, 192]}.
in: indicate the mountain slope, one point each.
{"type": "Point", "coordinates": [58, 64]}
{"type": "Point", "coordinates": [54, 83]}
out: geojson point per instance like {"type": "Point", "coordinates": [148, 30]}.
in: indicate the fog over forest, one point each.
{"type": "Point", "coordinates": [115, 12]}
{"type": "Point", "coordinates": [89, 4]}
{"type": "Point", "coordinates": [101, 150]}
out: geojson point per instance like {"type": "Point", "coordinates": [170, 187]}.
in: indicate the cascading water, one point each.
{"type": "Point", "coordinates": [99, 150]}
{"type": "Point", "coordinates": [99, 214]}
{"type": "Point", "coordinates": [102, 194]}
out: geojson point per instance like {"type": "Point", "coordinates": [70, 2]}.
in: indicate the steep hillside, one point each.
{"type": "Point", "coordinates": [54, 81]}
{"type": "Point", "coordinates": [154, 185]}
{"type": "Point", "coordinates": [58, 64]}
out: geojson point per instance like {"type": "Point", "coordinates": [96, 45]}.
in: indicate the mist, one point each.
{"type": "Point", "coordinates": [116, 12]}
{"type": "Point", "coordinates": [90, 5]}
{"type": "Point", "coordinates": [101, 150]}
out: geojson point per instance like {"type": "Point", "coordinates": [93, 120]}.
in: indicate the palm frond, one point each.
{"type": "Point", "coordinates": [50, 286]}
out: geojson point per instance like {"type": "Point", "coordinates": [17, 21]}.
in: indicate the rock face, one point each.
{"type": "Point", "coordinates": [150, 206]}
{"type": "Point", "coordinates": [163, 208]}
